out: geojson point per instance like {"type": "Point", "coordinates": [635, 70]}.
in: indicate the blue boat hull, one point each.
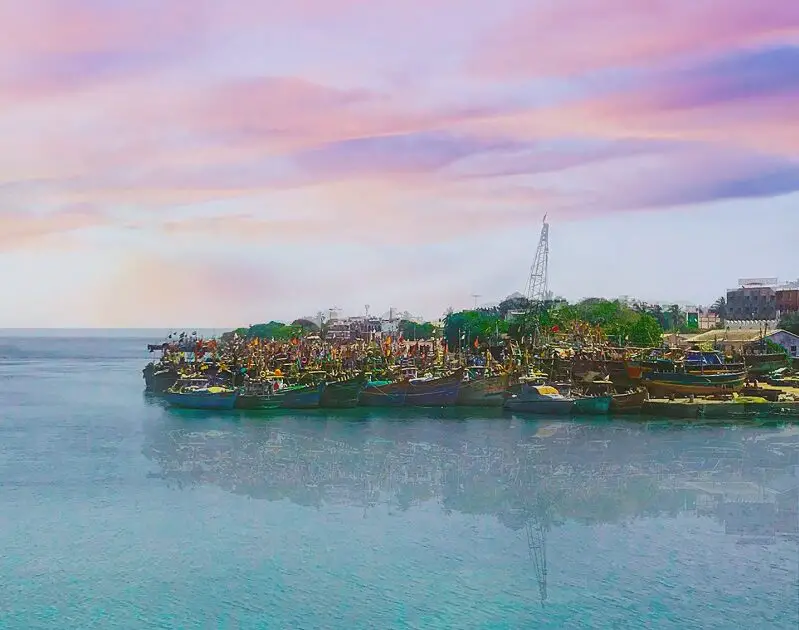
{"type": "Point", "coordinates": [390, 395]}
{"type": "Point", "coordinates": [306, 398]}
{"type": "Point", "coordinates": [442, 392]}
{"type": "Point", "coordinates": [189, 400]}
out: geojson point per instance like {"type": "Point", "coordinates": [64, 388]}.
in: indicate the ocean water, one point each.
{"type": "Point", "coordinates": [116, 512]}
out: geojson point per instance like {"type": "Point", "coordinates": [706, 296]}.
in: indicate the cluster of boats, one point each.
{"type": "Point", "coordinates": [589, 386]}
{"type": "Point", "coordinates": [471, 386]}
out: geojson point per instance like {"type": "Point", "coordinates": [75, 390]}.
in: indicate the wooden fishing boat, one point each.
{"type": "Point", "coordinates": [384, 393]}
{"type": "Point", "coordinates": [198, 394]}
{"type": "Point", "coordinates": [483, 391]}
{"type": "Point", "coordinates": [434, 392]}
{"type": "Point", "coordinates": [760, 364]}
{"type": "Point", "coordinates": [302, 396]}
{"type": "Point", "coordinates": [661, 384]}
{"type": "Point", "coordinates": [540, 399]}
{"type": "Point", "coordinates": [698, 361]}
{"type": "Point", "coordinates": [342, 394]}
{"type": "Point", "coordinates": [592, 405]}
{"type": "Point", "coordinates": [266, 394]}
{"type": "Point", "coordinates": [158, 379]}
{"type": "Point", "coordinates": [631, 402]}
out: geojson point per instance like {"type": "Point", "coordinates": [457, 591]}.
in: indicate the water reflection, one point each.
{"type": "Point", "coordinates": [530, 475]}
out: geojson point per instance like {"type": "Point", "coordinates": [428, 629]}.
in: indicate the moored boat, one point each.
{"type": "Point", "coordinates": [384, 393]}
{"type": "Point", "coordinates": [267, 394]}
{"type": "Point", "coordinates": [592, 405]}
{"type": "Point", "coordinates": [342, 394]}
{"type": "Point", "coordinates": [631, 402]}
{"type": "Point", "coordinates": [540, 399]}
{"type": "Point", "coordinates": [688, 384]}
{"type": "Point", "coordinates": [483, 391]}
{"type": "Point", "coordinates": [198, 394]}
{"type": "Point", "coordinates": [158, 378]}
{"type": "Point", "coordinates": [434, 392]}
{"type": "Point", "coordinates": [303, 396]}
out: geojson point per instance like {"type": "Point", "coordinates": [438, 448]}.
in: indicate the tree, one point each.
{"type": "Point", "coordinates": [465, 326]}
{"type": "Point", "coordinates": [790, 322]}
{"type": "Point", "coordinates": [413, 330]}
{"type": "Point", "coordinates": [719, 308]}
{"type": "Point", "coordinates": [646, 331]}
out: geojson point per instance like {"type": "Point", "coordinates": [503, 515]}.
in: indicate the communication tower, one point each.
{"type": "Point", "coordinates": [538, 283]}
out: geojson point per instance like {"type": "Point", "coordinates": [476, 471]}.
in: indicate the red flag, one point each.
{"type": "Point", "coordinates": [555, 328]}
{"type": "Point", "coordinates": [476, 342]}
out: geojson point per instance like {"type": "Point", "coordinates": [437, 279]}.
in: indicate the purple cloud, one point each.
{"type": "Point", "coordinates": [404, 153]}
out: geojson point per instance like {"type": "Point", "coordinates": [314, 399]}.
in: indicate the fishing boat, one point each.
{"type": "Point", "coordinates": [631, 402]}
{"type": "Point", "coordinates": [384, 393]}
{"type": "Point", "coordinates": [434, 392]}
{"type": "Point", "coordinates": [199, 394]}
{"type": "Point", "coordinates": [303, 396]}
{"type": "Point", "coordinates": [262, 394]}
{"type": "Point", "coordinates": [481, 390]}
{"type": "Point", "coordinates": [761, 364]}
{"type": "Point", "coordinates": [660, 384]}
{"type": "Point", "coordinates": [540, 399]}
{"type": "Point", "coordinates": [592, 405]}
{"type": "Point", "coordinates": [159, 378]}
{"type": "Point", "coordinates": [709, 363]}
{"type": "Point", "coordinates": [342, 394]}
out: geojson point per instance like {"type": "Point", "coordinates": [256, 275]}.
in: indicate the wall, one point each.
{"type": "Point", "coordinates": [787, 340]}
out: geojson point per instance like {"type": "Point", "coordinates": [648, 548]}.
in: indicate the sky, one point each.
{"type": "Point", "coordinates": [215, 164]}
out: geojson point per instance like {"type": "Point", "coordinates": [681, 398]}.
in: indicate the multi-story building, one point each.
{"type": "Point", "coordinates": [754, 299]}
{"type": "Point", "coordinates": [787, 300]}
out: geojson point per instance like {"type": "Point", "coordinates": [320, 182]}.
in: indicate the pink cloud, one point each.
{"type": "Point", "coordinates": [22, 229]}
{"type": "Point", "coordinates": [560, 37]}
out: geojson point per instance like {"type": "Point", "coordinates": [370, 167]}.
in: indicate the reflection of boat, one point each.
{"type": "Point", "coordinates": [592, 405]}
{"type": "Point", "coordinates": [434, 392]}
{"type": "Point", "coordinates": [631, 402]}
{"type": "Point", "coordinates": [540, 399]}
{"type": "Point", "coordinates": [670, 383]}
{"type": "Point", "coordinates": [483, 391]}
{"type": "Point", "coordinates": [198, 394]}
{"type": "Point", "coordinates": [342, 394]}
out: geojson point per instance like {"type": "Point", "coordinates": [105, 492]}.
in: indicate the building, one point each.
{"type": "Point", "coordinates": [755, 298]}
{"type": "Point", "coordinates": [787, 340]}
{"type": "Point", "coordinates": [787, 301]}
{"type": "Point", "coordinates": [353, 328]}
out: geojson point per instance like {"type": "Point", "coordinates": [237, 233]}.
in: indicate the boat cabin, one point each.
{"type": "Point", "coordinates": [702, 358]}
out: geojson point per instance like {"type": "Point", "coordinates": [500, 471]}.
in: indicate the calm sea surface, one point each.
{"type": "Point", "coordinates": [118, 513]}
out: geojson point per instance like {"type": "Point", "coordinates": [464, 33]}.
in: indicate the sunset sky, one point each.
{"type": "Point", "coordinates": [189, 162]}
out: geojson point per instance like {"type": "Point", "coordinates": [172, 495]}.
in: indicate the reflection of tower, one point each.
{"type": "Point", "coordinates": [538, 283]}
{"type": "Point", "coordinates": [536, 542]}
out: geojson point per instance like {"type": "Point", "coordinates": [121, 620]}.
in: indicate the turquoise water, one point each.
{"type": "Point", "coordinates": [118, 513]}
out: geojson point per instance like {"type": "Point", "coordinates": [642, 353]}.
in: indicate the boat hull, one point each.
{"type": "Point", "coordinates": [343, 394]}
{"type": "Point", "coordinates": [383, 395]}
{"type": "Point", "coordinates": [484, 392]}
{"type": "Point", "coordinates": [673, 383]}
{"type": "Point", "coordinates": [307, 397]}
{"type": "Point", "coordinates": [438, 392]}
{"type": "Point", "coordinates": [199, 400]}
{"type": "Point", "coordinates": [628, 403]}
{"type": "Point", "coordinates": [158, 381]}
{"type": "Point", "coordinates": [259, 401]}
{"type": "Point", "coordinates": [592, 405]}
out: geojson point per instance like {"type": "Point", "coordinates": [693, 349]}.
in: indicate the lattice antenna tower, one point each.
{"type": "Point", "coordinates": [538, 284]}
